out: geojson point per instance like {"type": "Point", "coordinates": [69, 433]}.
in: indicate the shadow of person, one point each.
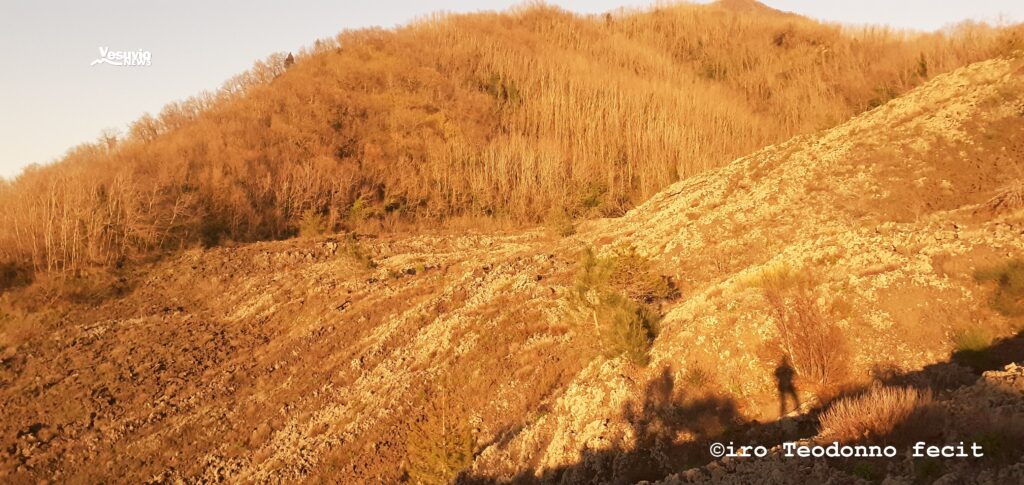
{"type": "Point", "coordinates": [784, 374]}
{"type": "Point", "coordinates": [667, 412]}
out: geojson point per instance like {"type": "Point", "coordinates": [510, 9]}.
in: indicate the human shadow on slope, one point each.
{"type": "Point", "coordinates": [672, 429]}
{"type": "Point", "coordinates": [784, 375]}
{"type": "Point", "coordinates": [675, 427]}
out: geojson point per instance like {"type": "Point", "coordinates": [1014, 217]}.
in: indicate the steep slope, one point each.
{"type": "Point", "coordinates": [319, 359]}
{"type": "Point", "coordinates": [882, 216]}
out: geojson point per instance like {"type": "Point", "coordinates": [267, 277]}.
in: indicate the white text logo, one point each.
{"type": "Point", "coordinates": [123, 58]}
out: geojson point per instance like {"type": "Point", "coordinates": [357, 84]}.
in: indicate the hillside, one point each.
{"type": "Point", "coordinates": [518, 356]}
{"type": "Point", "coordinates": [466, 121]}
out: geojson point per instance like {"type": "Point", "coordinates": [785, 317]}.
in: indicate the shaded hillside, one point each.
{"type": "Point", "coordinates": [985, 412]}
{"type": "Point", "coordinates": [358, 359]}
{"type": "Point", "coordinates": [514, 116]}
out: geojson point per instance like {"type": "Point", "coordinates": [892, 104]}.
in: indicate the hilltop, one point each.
{"type": "Point", "coordinates": [463, 121]}
{"type": "Point", "coordinates": [614, 353]}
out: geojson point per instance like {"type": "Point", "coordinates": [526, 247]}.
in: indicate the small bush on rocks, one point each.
{"type": "Point", "coordinates": [1009, 279]}
{"type": "Point", "coordinates": [440, 444]}
{"type": "Point", "coordinates": [604, 289]}
{"type": "Point", "coordinates": [890, 414]}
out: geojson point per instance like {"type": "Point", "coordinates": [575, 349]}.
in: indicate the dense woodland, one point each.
{"type": "Point", "coordinates": [495, 116]}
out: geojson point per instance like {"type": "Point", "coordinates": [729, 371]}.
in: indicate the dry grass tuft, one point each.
{"type": "Point", "coordinates": [972, 339]}
{"type": "Point", "coordinates": [697, 377]}
{"type": "Point", "coordinates": [894, 414]}
{"type": "Point", "coordinates": [1010, 198]}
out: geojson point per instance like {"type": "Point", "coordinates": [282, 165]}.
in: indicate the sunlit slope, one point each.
{"type": "Point", "coordinates": [354, 360]}
{"type": "Point", "coordinates": [858, 252]}
{"type": "Point", "coordinates": [513, 116]}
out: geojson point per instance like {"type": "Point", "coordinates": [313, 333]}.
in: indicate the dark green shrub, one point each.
{"type": "Point", "coordinates": [95, 287]}
{"type": "Point", "coordinates": [440, 444]}
{"type": "Point", "coordinates": [502, 89]}
{"type": "Point", "coordinates": [627, 272]}
{"type": "Point", "coordinates": [312, 224]}
{"type": "Point", "coordinates": [360, 211]}
{"type": "Point", "coordinates": [357, 252]}
{"type": "Point", "coordinates": [13, 275]}
{"type": "Point", "coordinates": [560, 223]}
{"type": "Point", "coordinates": [634, 275]}
{"type": "Point", "coordinates": [623, 326]}
{"type": "Point", "coordinates": [1008, 299]}
{"type": "Point", "coordinates": [593, 196]}
{"type": "Point", "coordinates": [211, 231]}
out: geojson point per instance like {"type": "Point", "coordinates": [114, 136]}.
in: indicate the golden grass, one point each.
{"type": "Point", "coordinates": [487, 115]}
{"type": "Point", "coordinates": [881, 413]}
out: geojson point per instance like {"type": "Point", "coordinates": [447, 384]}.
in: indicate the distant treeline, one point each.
{"type": "Point", "coordinates": [495, 115]}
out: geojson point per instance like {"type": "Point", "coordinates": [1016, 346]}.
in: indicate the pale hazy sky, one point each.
{"type": "Point", "coordinates": [52, 99]}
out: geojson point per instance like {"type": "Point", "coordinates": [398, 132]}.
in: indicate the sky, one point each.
{"type": "Point", "coordinates": [52, 98]}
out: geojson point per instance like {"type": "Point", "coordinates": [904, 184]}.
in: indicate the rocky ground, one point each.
{"type": "Point", "coordinates": [996, 393]}
{"type": "Point", "coordinates": [886, 213]}
{"type": "Point", "coordinates": [312, 359]}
